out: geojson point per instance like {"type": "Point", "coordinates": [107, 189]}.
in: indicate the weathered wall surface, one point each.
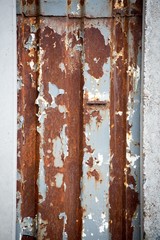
{"type": "Point", "coordinates": [8, 92]}
{"type": "Point", "coordinates": [151, 123]}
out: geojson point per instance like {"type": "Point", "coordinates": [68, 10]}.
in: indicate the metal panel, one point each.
{"type": "Point", "coordinates": [79, 98]}
{"type": "Point", "coordinates": [124, 142]}
{"type": "Point", "coordinates": [79, 8]}
{"type": "Point", "coordinates": [59, 169]}
{"type": "Point", "coordinates": [96, 102]}
{"type": "Point", "coordinates": [60, 110]}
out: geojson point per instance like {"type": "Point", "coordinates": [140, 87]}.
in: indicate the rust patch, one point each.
{"type": "Point", "coordinates": [96, 51]}
{"type": "Point", "coordinates": [94, 174]}
{"type": "Point", "coordinates": [30, 1]}
{"type": "Point", "coordinates": [23, 2]}
{"type": "Point", "coordinates": [89, 149]}
{"type": "Point", "coordinates": [82, 2]}
{"type": "Point", "coordinates": [98, 116]}
{"type": "Point", "coordinates": [28, 238]}
{"type": "Point", "coordinates": [127, 8]}
{"type": "Point", "coordinates": [90, 162]}
{"type": "Point", "coordinates": [69, 2]}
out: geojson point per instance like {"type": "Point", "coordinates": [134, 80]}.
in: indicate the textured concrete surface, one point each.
{"type": "Point", "coordinates": [8, 120]}
{"type": "Point", "coordinates": [151, 121]}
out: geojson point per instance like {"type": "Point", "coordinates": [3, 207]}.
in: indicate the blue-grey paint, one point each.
{"type": "Point", "coordinates": [42, 187]}
{"type": "Point", "coordinates": [64, 217]}
{"type": "Point", "coordinates": [60, 146]}
{"type": "Point", "coordinates": [95, 194]}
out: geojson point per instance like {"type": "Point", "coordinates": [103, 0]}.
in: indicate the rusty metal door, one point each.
{"type": "Point", "coordinates": [78, 119]}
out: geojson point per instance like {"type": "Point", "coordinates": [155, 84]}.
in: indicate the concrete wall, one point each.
{"type": "Point", "coordinates": [8, 139]}
{"type": "Point", "coordinates": [151, 120]}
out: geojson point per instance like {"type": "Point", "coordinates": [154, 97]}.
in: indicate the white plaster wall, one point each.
{"type": "Point", "coordinates": [151, 121]}
{"type": "Point", "coordinates": [8, 111]}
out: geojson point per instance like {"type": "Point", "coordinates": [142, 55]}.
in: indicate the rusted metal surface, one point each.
{"type": "Point", "coordinates": [78, 106]}
{"type": "Point", "coordinates": [124, 123]}
{"type": "Point", "coordinates": [60, 129]}
{"type": "Point", "coordinates": [127, 7]}
{"type": "Point", "coordinates": [28, 157]}
{"type": "Point", "coordinates": [79, 8]}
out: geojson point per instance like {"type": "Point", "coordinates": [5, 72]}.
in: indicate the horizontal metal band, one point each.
{"type": "Point", "coordinates": [79, 8]}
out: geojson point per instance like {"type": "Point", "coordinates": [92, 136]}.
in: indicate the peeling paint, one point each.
{"type": "Point", "coordinates": [59, 180]}
{"type": "Point", "coordinates": [62, 67]}
{"type": "Point", "coordinates": [29, 44]}
{"type": "Point", "coordinates": [20, 122]}
{"type": "Point", "coordinates": [54, 91]}
{"type": "Point", "coordinates": [104, 225]}
{"type": "Point", "coordinates": [60, 148]}
{"type": "Point", "coordinates": [26, 226]}
{"type": "Point", "coordinates": [19, 83]}
{"type": "Point", "coordinates": [64, 217]}
{"type": "Point", "coordinates": [41, 181]}
{"type": "Point", "coordinates": [42, 228]}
